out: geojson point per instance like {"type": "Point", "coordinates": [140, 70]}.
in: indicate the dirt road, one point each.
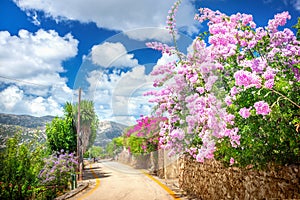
{"type": "Point", "coordinates": [115, 181]}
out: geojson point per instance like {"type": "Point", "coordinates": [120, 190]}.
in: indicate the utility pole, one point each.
{"type": "Point", "coordinates": [79, 167]}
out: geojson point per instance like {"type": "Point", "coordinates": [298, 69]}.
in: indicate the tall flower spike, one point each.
{"type": "Point", "coordinates": [171, 22]}
{"type": "Point", "coordinates": [171, 25]}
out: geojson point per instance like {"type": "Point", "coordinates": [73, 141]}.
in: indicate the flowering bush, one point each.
{"type": "Point", "coordinates": [20, 164]}
{"type": "Point", "coordinates": [58, 169]}
{"type": "Point", "coordinates": [236, 99]}
{"type": "Point", "coordinates": [143, 137]}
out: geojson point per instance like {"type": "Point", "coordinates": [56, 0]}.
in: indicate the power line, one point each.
{"type": "Point", "coordinates": [22, 81]}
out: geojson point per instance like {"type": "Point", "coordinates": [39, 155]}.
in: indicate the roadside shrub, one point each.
{"type": "Point", "coordinates": [20, 165]}
{"type": "Point", "coordinates": [235, 95]}
{"type": "Point", "coordinates": [57, 170]}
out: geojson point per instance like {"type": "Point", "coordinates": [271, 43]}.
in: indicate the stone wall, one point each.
{"type": "Point", "coordinates": [168, 167]}
{"type": "Point", "coordinates": [212, 180]}
{"type": "Point", "coordinates": [138, 162]}
{"type": "Point", "coordinates": [156, 162]}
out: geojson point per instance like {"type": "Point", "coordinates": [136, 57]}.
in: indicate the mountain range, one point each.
{"type": "Point", "coordinates": [107, 130]}
{"type": "Point", "coordinates": [34, 128]}
{"type": "Point", "coordinates": [24, 120]}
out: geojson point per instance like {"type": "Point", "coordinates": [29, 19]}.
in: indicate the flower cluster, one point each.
{"type": "Point", "coordinates": [171, 20]}
{"type": "Point", "coordinates": [161, 47]}
{"type": "Point", "coordinates": [145, 132]}
{"type": "Point", "coordinates": [245, 112]}
{"type": "Point", "coordinates": [195, 112]}
{"type": "Point", "coordinates": [203, 92]}
{"type": "Point", "coordinates": [247, 79]}
{"type": "Point", "coordinates": [58, 168]}
{"type": "Point", "coordinates": [262, 108]}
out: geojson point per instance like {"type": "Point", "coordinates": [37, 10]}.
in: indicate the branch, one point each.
{"type": "Point", "coordinates": [285, 97]}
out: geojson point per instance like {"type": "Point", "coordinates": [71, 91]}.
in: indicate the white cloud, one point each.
{"type": "Point", "coordinates": [35, 57]}
{"type": "Point", "coordinates": [37, 105]}
{"type": "Point", "coordinates": [119, 96]}
{"type": "Point", "coordinates": [34, 18]}
{"type": "Point", "coordinates": [10, 97]}
{"type": "Point", "coordinates": [131, 81]}
{"type": "Point", "coordinates": [30, 64]}
{"type": "Point", "coordinates": [43, 105]}
{"type": "Point", "coordinates": [166, 58]}
{"type": "Point", "coordinates": [112, 54]}
{"type": "Point", "coordinates": [114, 14]}
{"type": "Point", "coordinates": [13, 100]}
{"type": "Point", "coordinates": [142, 34]}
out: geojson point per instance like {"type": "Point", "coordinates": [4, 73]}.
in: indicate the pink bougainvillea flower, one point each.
{"type": "Point", "coordinates": [246, 79]}
{"type": "Point", "coordinates": [262, 108]}
{"type": "Point", "coordinates": [231, 161]}
{"type": "Point", "coordinates": [245, 112]}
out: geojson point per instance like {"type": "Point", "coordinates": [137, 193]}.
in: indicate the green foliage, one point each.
{"type": "Point", "coordinates": [56, 172]}
{"type": "Point", "coordinates": [20, 165]}
{"type": "Point", "coordinates": [257, 118]}
{"type": "Point", "coordinates": [94, 152]}
{"type": "Point", "coordinates": [136, 145]}
{"type": "Point", "coordinates": [88, 122]}
{"type": "Point", "coordinates": [297, 26]}
{"type": "Point", "coordinates": [143, 137]}
{"type": "Point", "coordinates": [272, 138]}
{"type": "Point", "coordinates": [115, 146]}
{"type": "Point", "coordinates": [61, 132]}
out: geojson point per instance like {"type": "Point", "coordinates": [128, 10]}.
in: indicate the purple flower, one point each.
{"type": "Point", "coordinates": [233, 91]}
{"type": "Point", "coordinates": [228, 100]}
{"type": "Point", "coordinates": [231, 161]}
{"type": "Point", "coordinates": [200, 90]}
{"type": "Point", "coordinates": [270, 73]}
{"type": "Point", "coordinates": [269, 83]}
{"type": "Point", "coordinates": [177, 133]}
{"type": "Point", "coordinates": [245, 112]}
{"type": "Point", "coordinates": [246, 79]}
{"type": "Point", "coordinates": [199, 158]}
{"type": "Point", "coordinates": [279, 20]}
{"type": "Point", "coordinates": [210, 81]}
{"type": "Point", "coordinates": [262, 108]}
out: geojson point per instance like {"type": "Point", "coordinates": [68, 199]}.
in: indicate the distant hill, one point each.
{"type": "Point", "coordinates": [25, 120]}
{"type": "Point", "coordinates": [27, 134]}
{"type": "Point", "coordinates": [31, 127]}
{"type": "Point", "coordinates": [34, 127]}
{"type": "Point", "coordinates": [107, 130]}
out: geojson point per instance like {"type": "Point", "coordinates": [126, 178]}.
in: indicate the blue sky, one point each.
{"type": "Point", "coordinates": [48, 49]}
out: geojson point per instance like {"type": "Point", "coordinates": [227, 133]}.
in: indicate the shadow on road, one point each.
{"type": "Point", "coordinates": [94, 168]}
{"type": "Point", "coordinates": [94, 172]}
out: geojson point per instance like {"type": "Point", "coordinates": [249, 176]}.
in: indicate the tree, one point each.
{"type": "Point", "coordinates": [20, 165]}
{"type": "Point", "coordinates": [88, 123]}
{"type": "Point", "coordinates": [143, 137]}
{"type": "Point", "coordinates": [115, 146]}
{"type": "Point", "coordinates": [94, 152]}
{"type": "Point", "coordinates": [61, 132]}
